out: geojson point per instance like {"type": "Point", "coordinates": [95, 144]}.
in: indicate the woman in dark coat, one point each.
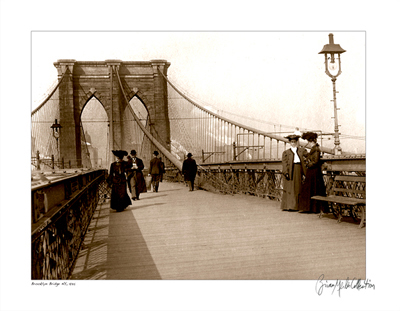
{"type": "Point", "coordinates": [117, 180]}
{"type": "Point", "coordinates": [136, 182]}
{"type": "Point", "coordinates": [314, 182]}
{"type": "Point", "coordinates": [189, 170]}
{"type": "Point", "coordinates": [293, 170]}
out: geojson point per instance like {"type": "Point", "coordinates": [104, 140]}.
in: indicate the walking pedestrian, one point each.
{"type": "Point", "coordinates": [293, 170]}
{"type": "Point", "coordinates": [136, 182]}
{"type": "Point", "coordinates": [314, 182]}
{"type": "Point", "coordinates": [117, 181]}
{"type": "Point", "coordinates": [189, 170]}
{"type": "Point", "coordinates": [155, 171]}
{"type": "Point", "coordinates": [162, 165]}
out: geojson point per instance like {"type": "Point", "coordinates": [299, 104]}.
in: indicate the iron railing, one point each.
{"type": "Point", "coordinates": [61, 213]}
{"type": "Point", "coordinates": [264, 178]}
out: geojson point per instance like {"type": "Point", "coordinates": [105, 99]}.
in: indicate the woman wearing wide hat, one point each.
{"type": "Point", "coordinates": [117, 180]}
{"type": "Point", "coordinates": [314, 182]}
{"type": "Point", "coordinates": [293, 170]}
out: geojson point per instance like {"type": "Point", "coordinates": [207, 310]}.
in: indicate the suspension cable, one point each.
{"type": "Point", "coordinates": [220, 117]}
{"type": "Point", "coordinates": [169, 155]}
{"type": "Point", "coordinates": [48, 97]}
{"type": "Point", "coordinates": [87, 149]}
{"type": "Point", "coordinates": [255, 131]}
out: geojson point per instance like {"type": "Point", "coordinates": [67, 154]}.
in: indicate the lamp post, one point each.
{"type": "Point", "coordinates": [56, 131]}
{"type": "Point", "coordinates": [333, 70]}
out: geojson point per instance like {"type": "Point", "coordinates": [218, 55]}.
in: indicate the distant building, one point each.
{"type": "Point", "coordinates": [89, 152]}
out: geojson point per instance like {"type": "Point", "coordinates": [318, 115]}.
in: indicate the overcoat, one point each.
{"type": "Point", "coordinates": [155, 166]}
{"type": "Point", "coordinates": [137, 174]}
{"type": "Point", "coordinates": [288, 161]}
{"type": "Point", "coordinates": [313, 184]}
{"type": "Point", "coordinates": [292, 185]}
{"type": "Point", "coordinates": [189, 169]}
{"type": "Point", "coordinates": [117, 180]}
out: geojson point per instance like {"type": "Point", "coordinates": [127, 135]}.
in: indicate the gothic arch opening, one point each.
{"type": "Point", "coordinates": [133, 134]}
{"type": "Point", "coordinates": [140, 109]}
{"type": "Point", "coordinates": [94, 135]}
{"type": "Point", "coordinates": [104, 79]}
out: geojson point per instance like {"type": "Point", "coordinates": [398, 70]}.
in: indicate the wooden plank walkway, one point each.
{"type": "Point", "coordinates": [180, 235]}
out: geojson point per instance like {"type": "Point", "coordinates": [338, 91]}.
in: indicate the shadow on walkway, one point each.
{"type": "Point", "coordinates": [200, 235]}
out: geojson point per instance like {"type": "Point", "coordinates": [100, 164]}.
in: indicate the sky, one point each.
{"type": "Point", "coordinates": [280, 79]}
{"type": "Point", "coordinates": [272, 76]}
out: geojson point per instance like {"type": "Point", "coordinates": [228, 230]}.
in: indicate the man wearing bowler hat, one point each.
{"type": "Point", "coordinates": [155, 171]}
{"type": "Point", "coordinates": [189, 170]}
{"type": "Point", "coordinates": [136, 182]}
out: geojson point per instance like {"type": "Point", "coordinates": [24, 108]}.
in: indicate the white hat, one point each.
{"type": "Point", "coordinates": [295, 135]}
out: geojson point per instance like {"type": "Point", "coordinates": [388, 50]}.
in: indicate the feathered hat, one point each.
{"type": "Point", "coordinates": [310, 136]}
{"type": "Point", "coordinates": [120, 153]}
{"type": "Point", "coordinates": [295, 136]}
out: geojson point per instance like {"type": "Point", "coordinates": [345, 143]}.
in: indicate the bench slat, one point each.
{"type": "Point", "coordinates": [340, 199]}
{"type": "Point", "coordinates": [348, 190]}
{"type": "Point", "coordinates": [350, 178]}
{"type": "Point", "coordinates": [346, 196]}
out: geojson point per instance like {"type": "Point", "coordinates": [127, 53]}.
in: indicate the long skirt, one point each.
{"type": "Point", "coordinates": [119, 197]}
{"type": "Point", "coordinates": [291, 190]}
{"type": "Point", "coordinates": [313, 185]}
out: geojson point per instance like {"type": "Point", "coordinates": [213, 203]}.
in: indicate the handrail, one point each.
{"type": "Point", "coordinates": [57, 235]}
{"type": "Point", "coordinates": [64, 205]}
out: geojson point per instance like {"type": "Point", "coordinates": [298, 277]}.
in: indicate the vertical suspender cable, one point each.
{"type": "Point", "coordinates": [160, 147]}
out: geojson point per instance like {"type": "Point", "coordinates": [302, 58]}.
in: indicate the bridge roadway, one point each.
{"type": "Point", "coordinates": [180, 235]}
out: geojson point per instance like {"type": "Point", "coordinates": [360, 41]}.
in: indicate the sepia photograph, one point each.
{"type": "Point", "coordinates": [253, 131]}
{"type": "Point", "coordinates": [197, 169]}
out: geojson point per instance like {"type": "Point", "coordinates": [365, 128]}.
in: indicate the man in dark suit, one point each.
{"type": "Point", "coordinates": [189, 170]}
{"type": "Point", "coordinates": [155, 171]}
{"type": "Point", "coordinates": [136, 182]}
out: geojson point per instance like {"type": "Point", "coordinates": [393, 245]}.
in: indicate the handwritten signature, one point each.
{"type": "Point", "coordinates": [342, 284]}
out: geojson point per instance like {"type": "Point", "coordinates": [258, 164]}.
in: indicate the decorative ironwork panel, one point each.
{"type": "Point", "coordinates": [264, 183]}
{"type": "Point", "coordinates": [55, 245]}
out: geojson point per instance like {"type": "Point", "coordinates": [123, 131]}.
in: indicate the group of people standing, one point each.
{"type": "Point", "coordinates": [302, 175]}
{"type": "Point", "coordinates": [129, 174]}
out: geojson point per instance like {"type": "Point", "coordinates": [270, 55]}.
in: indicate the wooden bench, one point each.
{"type": "Point", "coordinates": [347, 193]}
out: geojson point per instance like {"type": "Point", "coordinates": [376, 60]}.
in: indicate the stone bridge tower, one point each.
{"type": "Point", "coordinates": [87, 79]}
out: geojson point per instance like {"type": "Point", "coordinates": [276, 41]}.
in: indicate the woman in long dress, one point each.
{"type": "Point", "coordinates": [117, 180]}
{"type": "Point", "coordinates": [293, 170]}
{"type": "Point", "coordinates": [314, 182]}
